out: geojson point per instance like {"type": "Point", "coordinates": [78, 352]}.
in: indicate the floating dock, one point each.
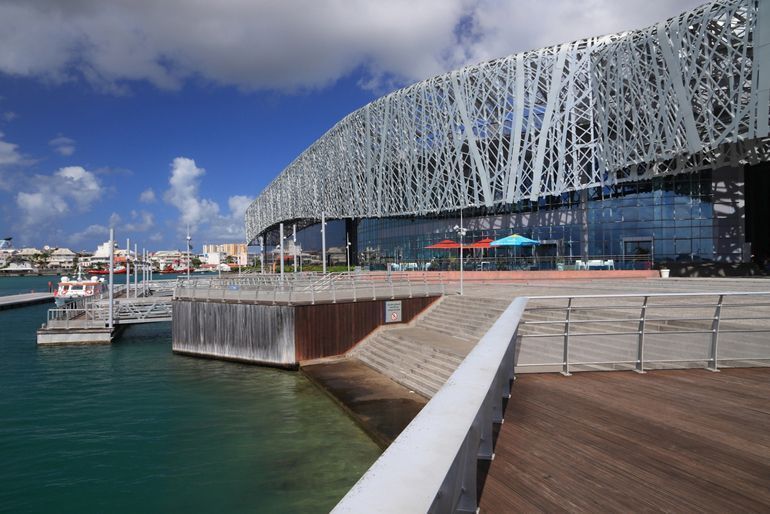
{"type": "Point", "coordinates": [87, 322]}
{"type": "Point", "coordinates": [23, 300]}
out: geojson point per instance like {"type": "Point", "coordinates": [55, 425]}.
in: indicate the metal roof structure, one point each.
{"type": "Point", "coordinates": [685, 94]}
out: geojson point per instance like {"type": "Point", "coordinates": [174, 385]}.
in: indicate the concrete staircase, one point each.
{"type": "Point", "coordinates": [423, 356]}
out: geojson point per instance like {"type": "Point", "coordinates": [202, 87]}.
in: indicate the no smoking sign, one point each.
{"type": "Point", "coordinates": [393, 311]}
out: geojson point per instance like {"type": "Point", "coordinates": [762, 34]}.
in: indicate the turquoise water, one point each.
{"type": "Point", "coordinates": [131, 427]}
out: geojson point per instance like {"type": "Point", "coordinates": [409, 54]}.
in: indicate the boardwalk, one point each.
{"type": "Point", "coordinates": [679, 441]}
{"type": "Point", "coordinates": [24, 299]}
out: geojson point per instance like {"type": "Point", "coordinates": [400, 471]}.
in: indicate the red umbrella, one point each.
{"type": "Point", "coordinates": [484, 243]}
{"type": "Point", "coordinates": [446, 244]}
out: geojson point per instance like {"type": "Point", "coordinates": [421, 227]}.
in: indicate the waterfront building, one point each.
{"type": "Point", "coordinates": [101, 257]}
{"type": "Point", "coordinates": [238, 251]}
{"type": "Point", "coordinates": [29, 253]}
{"type": "Point", "coordinates": [62, 258]}
{"type": "Point", "coordinates": [162, 259]}
{"type": "Point", "coordinates": [6, 254]}
{"type": "Point", "coordinates": [643, 147]}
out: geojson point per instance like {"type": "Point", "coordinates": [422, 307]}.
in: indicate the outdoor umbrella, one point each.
{"type": "Point", "coordinates": [446, 244]}
{"type": "Point", "coordinates": [515, 240]}
{"type": "Point", "coordinates": [484, 243]}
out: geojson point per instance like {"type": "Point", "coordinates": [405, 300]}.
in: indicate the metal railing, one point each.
{"type": "Point", "coordinates": [520, 259]}
{"type": "Point", "coordinates": [152, 303]}
{"type": "Point", "coordinates": [432, 465]}
{"type": "Point", "coordinates": [637, 331]}
{"type": "Point", "coordinates": [313, 288]}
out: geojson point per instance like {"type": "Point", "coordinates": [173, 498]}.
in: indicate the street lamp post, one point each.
{"type": "Point", "coordinates": [128, 267]}
{"type": "Point", "coordinates": [280, 245]}
{"type": "Point", "coordinates": [347, 249]}
{"type": "Point", "coordinates": [294, 247]}
{"type": "Point", "coordinates": [323, 241]}
{"type": "Point", "coordinates": [189, 260]}
{"type": "Point", "coordinates": [461, 232]}
{"type": "Point", "coordinates": [110, 318]}
{"type": "Point", "coordinates": [262, 254]}
{"type": "Point", "coordinates": [136, 271]}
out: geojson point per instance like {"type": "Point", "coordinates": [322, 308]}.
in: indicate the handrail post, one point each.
{"type": "Point", "coordinates": [640, 349]}
{"type": "Point", "coordinates": [565, 364]}
{"type": "Point", "coordinates": [715, 335]}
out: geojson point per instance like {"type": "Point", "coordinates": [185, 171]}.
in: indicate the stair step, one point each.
{"type": "Point", "coordinates": [434, 352]}
{"type": "Point", "coordinates": [419, 356]}
{"type": "Point", "coordinates": [454, 330]}
{"type": "Point", "coordinates": [459, 319]}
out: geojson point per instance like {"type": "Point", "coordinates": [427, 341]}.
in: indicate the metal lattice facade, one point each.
{"type": "Point", "coordinates": [688, 93]}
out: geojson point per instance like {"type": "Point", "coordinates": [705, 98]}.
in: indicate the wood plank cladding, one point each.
{"type": "Point", "coordinates": [324, 330]}
{"type": "Point", "coordinates": [244, 332]}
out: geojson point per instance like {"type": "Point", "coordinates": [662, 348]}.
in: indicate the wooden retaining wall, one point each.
{"type": "Point", "coordinates": [243, 332]}
{"type": "Point", "coordinates": [278, 335]}
{"type": "Point", "coordinates": [323, 330]}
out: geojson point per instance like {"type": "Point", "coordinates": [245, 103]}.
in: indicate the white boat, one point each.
{"type": "Point", "coordinates": [78, 287]}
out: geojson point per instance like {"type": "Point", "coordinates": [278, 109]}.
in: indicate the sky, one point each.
{"type": "Point", "coordinates": [150, 116]}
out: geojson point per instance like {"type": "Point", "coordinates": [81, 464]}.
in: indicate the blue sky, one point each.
{"type": "Point", "coordinates": [147, 116]}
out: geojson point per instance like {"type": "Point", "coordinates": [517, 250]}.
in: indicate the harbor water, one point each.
{"type": "Point", "coordinates": [131, 427]}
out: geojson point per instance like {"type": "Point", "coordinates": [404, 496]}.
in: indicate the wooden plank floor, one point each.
{"type": "Point", "coordinates": [677, 441]}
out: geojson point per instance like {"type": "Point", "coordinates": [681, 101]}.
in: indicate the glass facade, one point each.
{"type": "Point", "coordinates": [633, 225]}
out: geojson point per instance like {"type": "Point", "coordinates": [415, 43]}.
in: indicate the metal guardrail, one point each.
{"type": "Point", "coordinates": [313, 288]}
{"type": "Point", "coordinates": [635, 330]}
{"type": "Point", "coordinates": [151, 303]}
{"type": "Point", "coordinates": [432, 465]}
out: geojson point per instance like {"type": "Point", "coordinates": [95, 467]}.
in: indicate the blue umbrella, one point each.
{"type": "Point", "coordinates": [514, 240]}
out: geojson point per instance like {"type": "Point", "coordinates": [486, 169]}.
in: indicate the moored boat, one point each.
{"type": "Point", "coordinates": [78, 287]}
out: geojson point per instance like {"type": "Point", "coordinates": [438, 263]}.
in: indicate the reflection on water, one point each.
{"type": "Point", "coordinates": [131, 426]}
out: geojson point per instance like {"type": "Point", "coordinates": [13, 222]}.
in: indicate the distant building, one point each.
{"type": "Point", "coordinates": [166, 258]}
{"type": "Point", "coordinates": [214, 252]}
{"type": "Point", "coordinates": [62, 258]}
{"type": "Point", "coordinates": [29, 253]}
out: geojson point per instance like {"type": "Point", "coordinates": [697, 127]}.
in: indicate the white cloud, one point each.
{"type": "Point", "coordinates": [70, 189]}
{"type": "Point", "coordinates": [238, 205]}
{"type": "Point", "coordinates": [147, 196]}
{"type": "Point", "coordinates": [142, 221]}
{"type": "Point", "coordinates": [10, 116]}
{"type": "Point", "coordinates": [9, 153]}
{"type": "Point", "coordinates": [263, 44]}
{"type": "Point", "coordinates": [115, 219]}
{"type": "Point", "coordinates": [201, 214]}
{"type": "Point", "coordinates": [92, 231]}
{"type": "Point", "coordinates": [64, 146]}
{"type": "Point", "coordinates": [183, 193]}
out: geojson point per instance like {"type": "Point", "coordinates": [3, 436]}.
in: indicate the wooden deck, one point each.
{"type": "Point", "coordinates": [678, 441]}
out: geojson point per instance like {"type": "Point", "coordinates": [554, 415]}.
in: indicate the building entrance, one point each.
{"type": "Point", "coordinates": [757, 196]}
{"type": "Point", "coordinates": [638, 252]}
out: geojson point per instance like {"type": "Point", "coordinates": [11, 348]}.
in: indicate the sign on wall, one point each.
{"type": "Point", "coordinates": [393, 311]}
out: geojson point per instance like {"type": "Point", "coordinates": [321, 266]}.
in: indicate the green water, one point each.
{"type": "Point", "coordinates": [131, 427]}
